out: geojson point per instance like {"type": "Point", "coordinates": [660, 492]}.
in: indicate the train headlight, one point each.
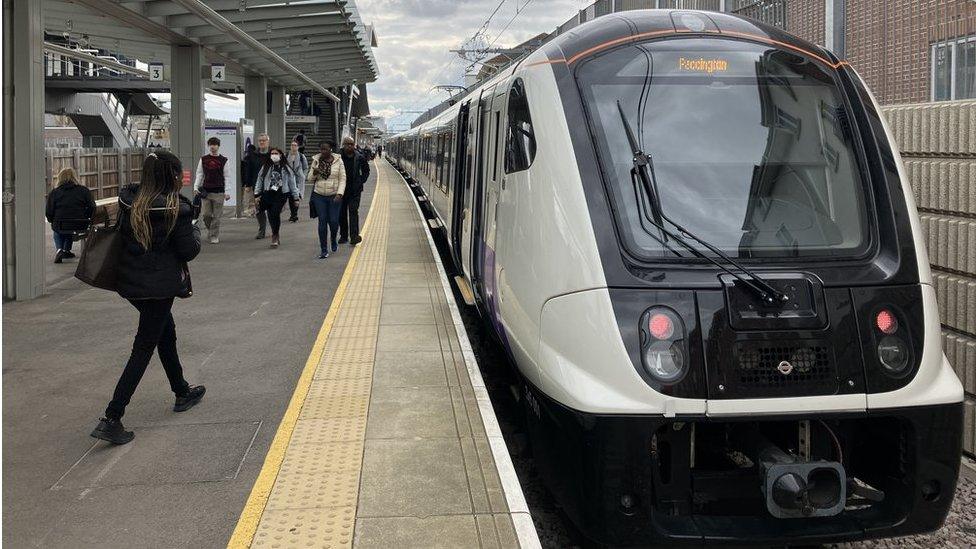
{"type": "Point", "coordinates": [893, 354]}
{"type": "Point", "coordinates": [663, 345]}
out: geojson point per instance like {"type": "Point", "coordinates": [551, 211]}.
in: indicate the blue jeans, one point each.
{"type": "Point", "coordinates": [327, 208]}
{"type": "Point", "coordinates": [62, 241]}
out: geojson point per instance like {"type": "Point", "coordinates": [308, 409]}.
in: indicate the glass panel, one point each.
{"type": "Point", "coordinates": [966, 70]}
{"type": "Point", "coordinates": [750, 147]}
{"type": "Point", "coordinates": [942, 75]}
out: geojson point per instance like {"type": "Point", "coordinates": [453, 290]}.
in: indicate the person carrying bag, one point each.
{"type": "Point", "coordinates": [155, 240]}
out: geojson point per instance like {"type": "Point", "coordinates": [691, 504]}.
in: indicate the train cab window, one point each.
{"type": "Point", "coordinates": [519, 137]}
{"type": "Point", "coordinates": [752, 146]}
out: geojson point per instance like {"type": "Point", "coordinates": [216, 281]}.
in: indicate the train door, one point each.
{"type": "Point", "coordinates": [473, 185]}
{"type": "Point", "coordinates": [486, 148]}
{"type": "Point", "coordinates": [493, 174]}
{"type": "Point", "coordinates": [460, 179]}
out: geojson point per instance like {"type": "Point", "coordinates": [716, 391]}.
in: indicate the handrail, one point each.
{"type": "Point", "coordinates": [82, 56]}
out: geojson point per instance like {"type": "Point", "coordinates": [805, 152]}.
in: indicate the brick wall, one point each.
{"type": "Point", "coordinates": [938, 146]}
{"type": "Point", "coordinates": [890, 43]}
{"type": "Point", "coordinates": [805, 18]}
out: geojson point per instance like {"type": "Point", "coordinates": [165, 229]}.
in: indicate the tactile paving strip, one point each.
{"type": "Point", "coordinates": [313, 501]}
{"type": "Point", "coordinates": [304, 528]}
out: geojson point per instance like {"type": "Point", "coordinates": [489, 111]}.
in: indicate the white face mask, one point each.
{"type": "Point", "coordinates": [276, 157]}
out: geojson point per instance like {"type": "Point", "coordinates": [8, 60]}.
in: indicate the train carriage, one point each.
{"type": "Point", "coordinates": [694, 236]}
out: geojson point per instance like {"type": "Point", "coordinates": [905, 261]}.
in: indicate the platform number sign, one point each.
{"type": "Point", "coordinates": [156, 72]}
{"type": "Point", "coordinates": [218, 72]}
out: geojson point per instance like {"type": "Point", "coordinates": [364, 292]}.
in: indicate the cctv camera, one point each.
{"type": "Point", "coordinates": [347, 70]}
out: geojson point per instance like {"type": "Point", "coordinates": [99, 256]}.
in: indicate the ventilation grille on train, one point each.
{"type": "Point", "coordinates": [784, 368]}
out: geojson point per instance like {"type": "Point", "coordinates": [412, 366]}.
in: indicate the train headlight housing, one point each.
{"type": "Point", "coordinates": [663, 349]}
{"type": "Point", "coordinates": [893, 352]}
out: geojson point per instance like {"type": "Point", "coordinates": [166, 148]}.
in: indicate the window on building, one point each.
{"type": "Point", "coordinates": [954, 69]}
{"type": "Point", "coordinates": [520, 137]}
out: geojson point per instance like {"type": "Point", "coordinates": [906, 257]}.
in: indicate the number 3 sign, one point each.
{"type": "Point", "coordinates": [156, 72]}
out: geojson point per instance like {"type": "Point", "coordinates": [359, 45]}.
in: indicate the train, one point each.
{"type": "Point", "coordinates": [694, 237]}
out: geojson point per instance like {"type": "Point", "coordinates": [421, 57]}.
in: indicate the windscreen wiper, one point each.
{"type": "Point", "coordinates": [643, 173]}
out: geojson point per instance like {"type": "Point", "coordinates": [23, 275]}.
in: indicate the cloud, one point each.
{"type": "Point", "coordinates": [416, 36]}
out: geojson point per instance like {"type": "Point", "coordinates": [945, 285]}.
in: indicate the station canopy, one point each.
{"type": "Point", "coordinates": [311, 44]}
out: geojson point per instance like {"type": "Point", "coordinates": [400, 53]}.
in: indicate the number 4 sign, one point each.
{"type": "Point", "coordinates": [218, 72]}
{"type": "Point", "coordinates": [156, 72]}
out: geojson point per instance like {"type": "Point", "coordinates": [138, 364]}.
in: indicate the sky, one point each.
{"type": "Point", "coordinates": [415, 38]}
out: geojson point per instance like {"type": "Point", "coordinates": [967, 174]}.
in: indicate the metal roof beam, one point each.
{"type": "Point", "coordinates": [273, 13]}
{"type": "Point", "coordinates": [282, 41]}
{"type": "Point", "coordinates": [158, 8]}
{"type": "Point", "coordinates": [332, 58]}
{"type": "Point", "coordinates": [205, 12]}
{"type": "Point", "coordinates": [324, 22]}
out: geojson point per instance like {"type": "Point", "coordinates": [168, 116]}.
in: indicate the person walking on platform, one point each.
{"type": "Point", "coordinates": [299, 165]}
{"type": "Point", "coordinates": [211, 178]}
{"type": "Point", "coordinates": [69, 210]}
{"type": "Point", "coordinates": [357, 172]}
{"type": "Point", "coordinates": [327, 174]}
{"type": "Point", "coordinates": [276, 183]}
{"type": "Point", "coordinates": [158, 240]}
{"type": "Point", "coordinates": [248, 176]}
{"type": "Point", "coordinates": [254, 164]}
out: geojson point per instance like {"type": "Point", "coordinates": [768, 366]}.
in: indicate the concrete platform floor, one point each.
{"type": "Point", "coordinates": [246, 334]}
{"type": "Point", "coordinates": [389, 442]}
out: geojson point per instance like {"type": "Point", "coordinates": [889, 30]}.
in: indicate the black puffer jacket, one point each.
{"type": "Point", "coordinates": [70, 206]}
{"type": "Point", "coordinates": [159, 272]}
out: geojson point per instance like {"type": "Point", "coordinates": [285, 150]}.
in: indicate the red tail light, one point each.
{"type": "Point", "coordinates": [664, 347]}
{"type": "Point", "coordinates": [886, 322]}
{"type": "Point", "coordinates": [661, 326]}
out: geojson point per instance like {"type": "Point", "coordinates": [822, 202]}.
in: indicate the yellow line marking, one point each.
{"type": "Point", "coordinates": [247, 524]}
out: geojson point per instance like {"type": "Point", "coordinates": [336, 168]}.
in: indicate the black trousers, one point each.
{"type": "Point", "coordinates": [349, 218]}
{"type": "Point", "coordinates": [293, 207]}
{"type": "Point", "coordinates": [272, 202]}
{"type": "Point", "coordinates": [156, 332]}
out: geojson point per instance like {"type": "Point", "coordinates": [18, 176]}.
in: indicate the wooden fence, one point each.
{"type": "Point", "coordinates": [101, 170]}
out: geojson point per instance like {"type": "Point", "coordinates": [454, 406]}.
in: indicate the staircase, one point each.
{"type": "Point", "coordinates": [107, 115]}
{"type": "Point", "coordinates": [324, 127]}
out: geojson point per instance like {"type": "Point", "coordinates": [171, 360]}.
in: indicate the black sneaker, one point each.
{"type": "Point", "coordinates": [59, 257]}
{"type": "Point", "coordinates": [111, 430]}
{"type": "Point", "coordinates": [190, 399]}
{"type": "Point", "coordinates": [293, 219]}
{"type": "Point", "coordinates": [68, 254]}
{"type": "Point", "coordinates": [259, 236]}
{"type": "Point", "coordinates": [357, 240]}
{"type": "Point", "coordinates": [343, 240]}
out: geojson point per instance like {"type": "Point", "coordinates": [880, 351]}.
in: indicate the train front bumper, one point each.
{"type": "Point", "coordinates": [633, 480]}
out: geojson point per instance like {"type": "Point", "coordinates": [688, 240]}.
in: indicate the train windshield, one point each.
{"type": "Point", "coordinates": [751, 148]}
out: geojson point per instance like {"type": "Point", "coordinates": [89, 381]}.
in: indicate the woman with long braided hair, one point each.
{"type": "Point", "coordinates": [159, 240]}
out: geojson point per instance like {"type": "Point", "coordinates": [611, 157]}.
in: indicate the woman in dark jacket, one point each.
{"type": "Point", "coordinates": [158, 240]}
{"type": "Point", "coordinates": [69, 210]}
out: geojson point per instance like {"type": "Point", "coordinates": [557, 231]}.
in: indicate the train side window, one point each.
{"type": "Point", "coordinates": [519, 137]}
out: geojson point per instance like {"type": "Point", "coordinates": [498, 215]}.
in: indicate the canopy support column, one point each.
{"type": "Point", "coordinates": [256, 103]}
{"type": "Point", "coordinates": [23, 147]}
{"type": "Point", "coordinates": [276, 120]}
{"type": "Point", "coordinates": [186, 118]}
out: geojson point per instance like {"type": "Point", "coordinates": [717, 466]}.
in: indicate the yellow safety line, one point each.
{"type": "Point", "coordinates": [247, 524]}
